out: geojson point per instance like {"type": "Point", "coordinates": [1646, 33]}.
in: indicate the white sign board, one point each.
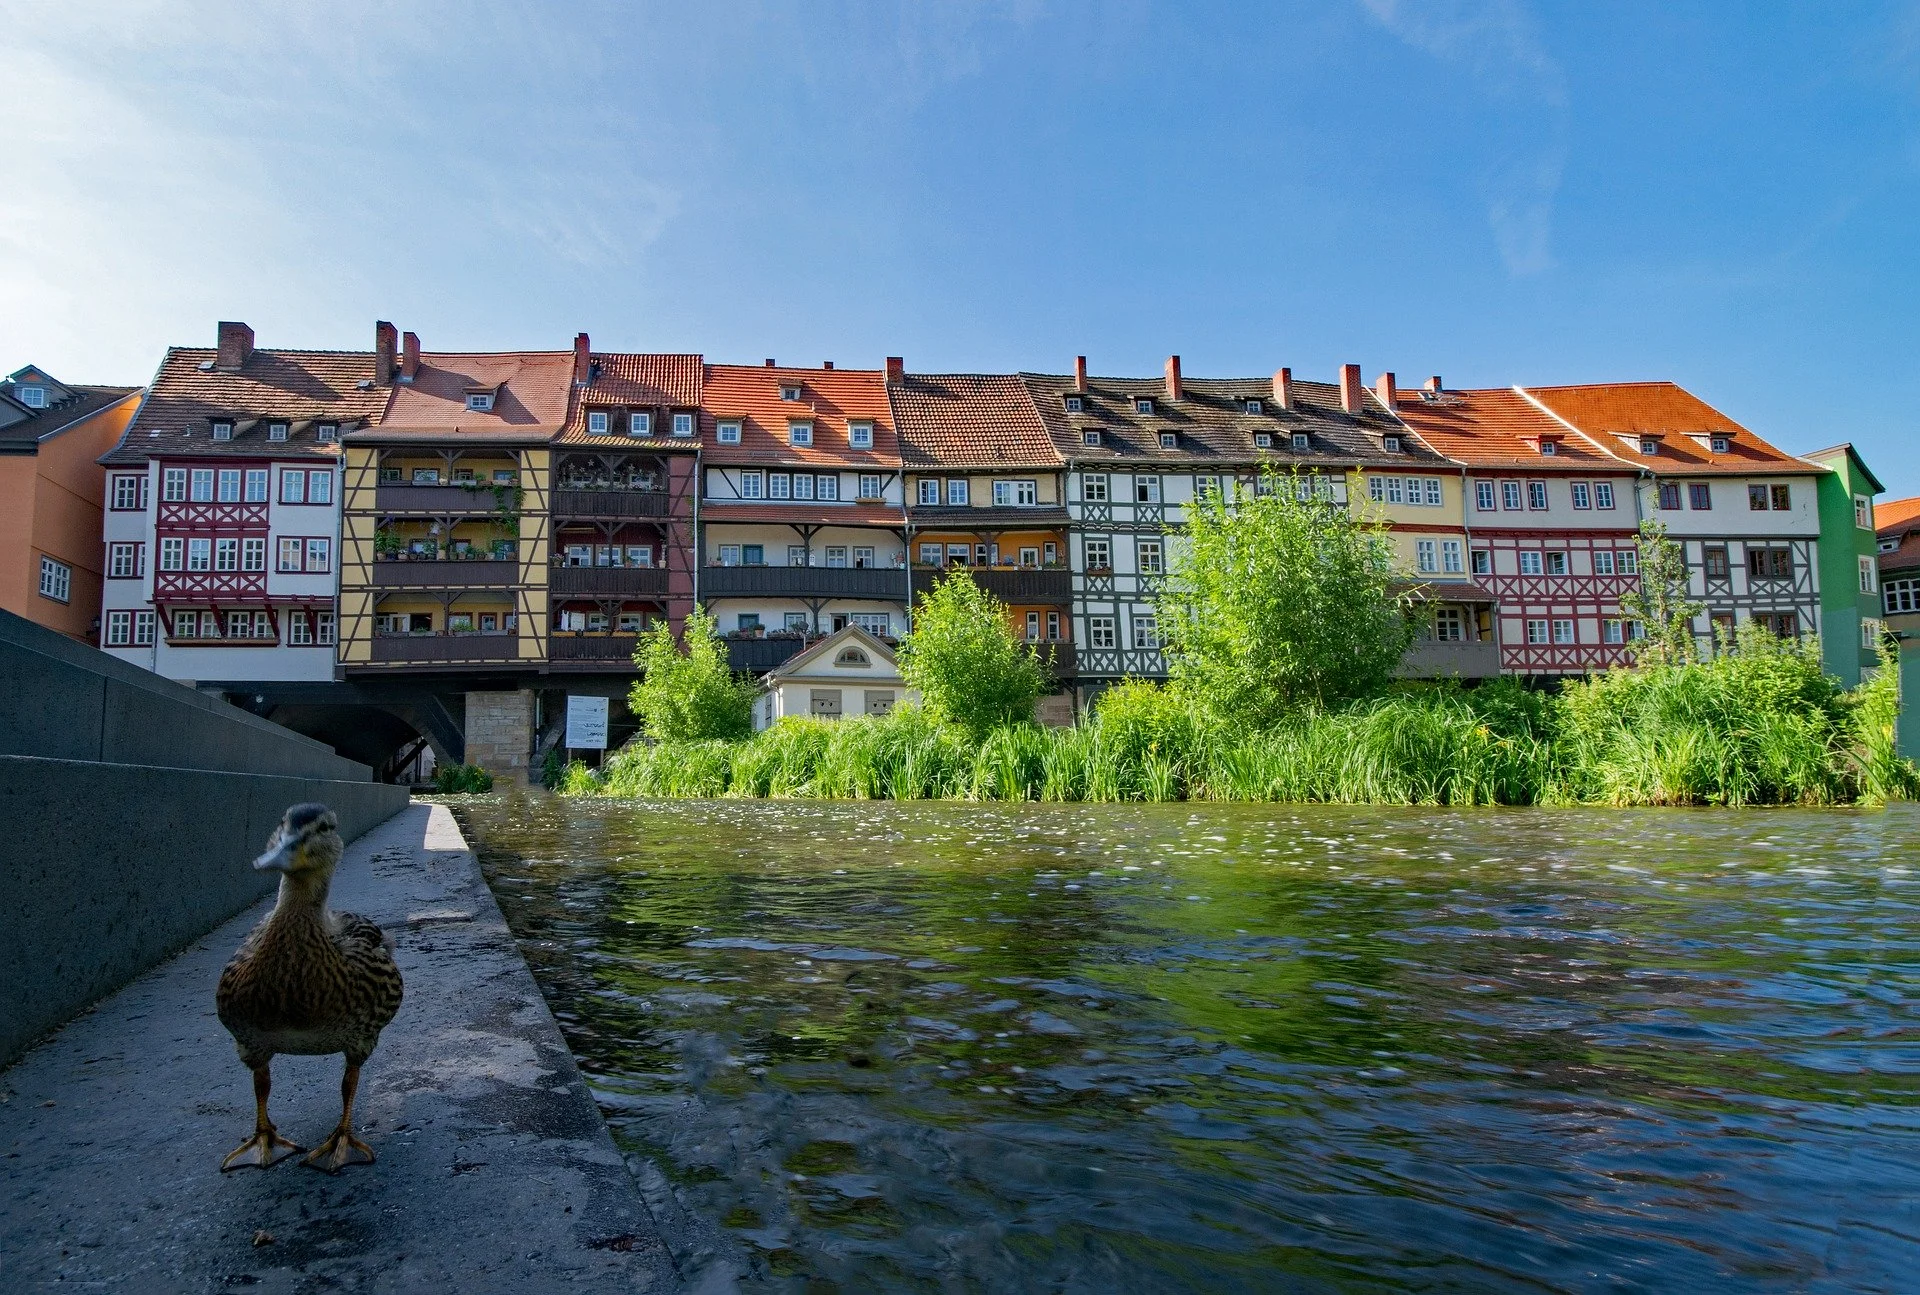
{"type": "Point", "coordinates": [586, 723]}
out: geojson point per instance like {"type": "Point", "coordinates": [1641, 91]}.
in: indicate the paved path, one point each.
{"type": "Point", "coordinates": [495, 1172]}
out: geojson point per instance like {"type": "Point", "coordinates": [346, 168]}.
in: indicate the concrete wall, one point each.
{"type": "Point", "coordinates": [131, 808]}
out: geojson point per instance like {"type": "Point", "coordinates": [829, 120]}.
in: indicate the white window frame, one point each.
{"type": "Point", "coordinates": [1146, 631]}
{"type": "Point", "coordinates": [119, 629]}
{"type": "Point", "coordinates": [1869, 575]}
{"type": "Point", "coordinates": [1101, 632]}
{"type": "Point", "coordinates": [870, 487]}
{"type": "Point", "coordinates": [1099, 553]}
{"type": "Point", "coordinates": [1150, 556]}
{"type": "Point", "coordinates": [1863, 512]}
{"type": "Point", "coordinates": [750, 485]}
{"type": "Point", "coordinates": [1582, 495]}
{"type": "Point", "coordinates": [860, 434]}
{"type": "Point", "coordinates": [639, 423]}
{"type": "Point", "coordinates": [929, 488]}
{"type": "Point", "coordinates": [683, 425]}
{"type": "Point", "coordinates": [253, 553]}
{"type": "Point", "coordinates": [800, 434]}
{"type": "Point", "coordinates": [1095, 488]}
{"type": "Point", "coordinates": [727, 432]}
{"type": "Point", "coordinates": [1426, 557]}
{"type": "Point", "coordinates": [129, 492]}
{"type": "Point", "coordinates": [173, 485]}
{"type": "Point", "coordinates": [1532, 562]}
{"type": "Point", "coordinates": [957, 492]}
{"type": "Point", "coordinates": [597, 423]}
{"type": "Point", "coordinates": [1146, 488]}
{"type": "Point", "coordinates": [1563, 632]}
{"type": "Point", "coordinates": [123, 560]}
{"type": "Point", "coordinates": [1603, 495]}
{"type": "Point", "coordinates": [1603, 562]}
{"type": "Point", "coordinates": [56, 579]}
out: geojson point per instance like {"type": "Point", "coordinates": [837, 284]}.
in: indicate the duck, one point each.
{"type": "Point", "coordinates": [307, 981]}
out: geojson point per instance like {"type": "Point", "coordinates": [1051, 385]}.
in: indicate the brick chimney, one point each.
{"type": "Point", "coordinates": [1173, 377]}
{"type": "Point", "coordinates": [409, 356]}
{"type": "Point", "coordinates": [770, 363]}
{"type": "Point", "coordinates": [1079, 373]}
{"type": "Point", "coordinates": [826, 364]}
{"type": "Point", "coordinates": [1283, 388]}
{"type": "Point", "coordinates": [236, 344]}
{"type": "Point", "coordinates": [385, 340]}
{"type": "Point", "coordinates": [1434, 384]}
{"type": "Point", "coordinates": [582, 360]}
{"type": "Point", "coordinates": [1350, 398]}
{"type": "Point", "coordinates": [1383, 387]}
{"type": "Point", "coordinates": [896, 371]}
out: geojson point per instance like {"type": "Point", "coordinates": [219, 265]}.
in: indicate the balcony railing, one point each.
{"type": "Point", "coordinates": [442, 501]}
{"type": "Point", "coordinates": [592, 647]}
{"type": "Point", "coordinates": [1058, 658]}
{"type": "Point", "coordinates": [888, 584]}
{"type": "Point", "coordinates": [1441, 659]}
{"type": "Point", "coordinates": [431, 649]}
{"type": "Point", "coordinates": [575, 502]}
{"type": "Point", "coordinates": [447, 573]}
{"type": "Point", "coordinates": [605, 582]}
{"type": "Point", "coordinates": [1010, 584]}
{"type": "Point", "coordinates": [761, 655]}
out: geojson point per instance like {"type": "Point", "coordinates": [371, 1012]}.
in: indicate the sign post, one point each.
{"type": "Point", "coordinates": [586, 724]}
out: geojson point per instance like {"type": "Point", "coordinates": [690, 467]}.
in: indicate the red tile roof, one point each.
{"type": "Point", "coordinates": [1498, 427]}
{"type": "Point", "coordinates": [636, 380]}
{"type": "Point", "coordinates": [829, 399]}
{"type": "Point", "coordinates": [533, 391]}
{"type": "Point", "coordinates": [1896, 514]}
{"type": "Point", "coordinates": [970, 420]}
{"type": "Point", "coordinates": [302, 387]}
{"type": "Point", "coordinates": [1614, 412]}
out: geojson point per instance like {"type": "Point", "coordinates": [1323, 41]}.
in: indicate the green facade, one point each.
{"type": "Point", "coordinates": [1843, 543]}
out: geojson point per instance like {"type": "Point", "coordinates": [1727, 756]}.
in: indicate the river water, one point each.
{"type": "Point", "coordinates": [1176, 1047]}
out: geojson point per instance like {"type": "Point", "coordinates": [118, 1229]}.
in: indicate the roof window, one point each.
{"type": "Point", "coordinates": [1143, 404]}
{"type": "Point", "coordinates": [480, 402]}
{"type": "Point", "coordinates": [1091, 436]}
{"type": "Point", "coordinates": [1648, 445]}
{"type": "Point", "coordinates": [860, 435]}
{"type": "Point", "coordinates": [1549, 447]}
{"type": "Point", "coordinates": [325, 432]}
{"type": "Point", "coordinates": [1300, 441]}
{"type": "Point", "coordinates": [639, 423]}
{"type": "Point", "coordinates": [789, 392]}
{"type": "Point", "coordinates": [800, 434]}
{"type": "Point", "coordinates": [1263, 440]}
{"type": "Point", "coordinates": [223, 431]}
{"type": "Point", "coordinates": [1075, 404]}
{"type": "Point", "coordinates": [597, 422]}
{"type": "Point", "coordinates": [728, 433]}
{"type": "Point", "coordinates": [276, 431]}
{"type": "Point", "coordinates": [1390, 443]}
{"type": "Point", "coordinates": [683, 424]}
{"type": "Point", "coordinates": [1719, 444]}
{"type": "Point", "coordinates": [1255, 406]}
{"type": "Point", "coordinates": [1169, 441]}
{"type": "Point", "coordinates": [33, 397]}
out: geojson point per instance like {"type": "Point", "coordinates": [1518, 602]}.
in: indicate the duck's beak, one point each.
{"type": "Point", "coordinates": [278, 859]}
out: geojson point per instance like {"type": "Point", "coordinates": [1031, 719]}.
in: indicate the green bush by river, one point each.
{"type": "Point", "coordinates": [1756, 724]}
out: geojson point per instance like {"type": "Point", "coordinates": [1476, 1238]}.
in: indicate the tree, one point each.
{"type": "Point", "coordinates": [1661, 603]}
{"type": "Point", "coordinates": [963, 657]}
{"type": "Point", "coordinates": [1281, 599]}
{"type": "Point", "coordinates": [691, 695]}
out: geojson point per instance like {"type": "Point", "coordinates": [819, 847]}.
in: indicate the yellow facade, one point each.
{"type": "Point", "coordinates": [1412, 522]}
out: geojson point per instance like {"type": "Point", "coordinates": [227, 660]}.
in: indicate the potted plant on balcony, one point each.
{"type": "Point", "coordinates": [388, 546]}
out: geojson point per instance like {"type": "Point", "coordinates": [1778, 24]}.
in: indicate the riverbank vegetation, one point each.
{"type": "Point", "coordinates": [1283, 628]}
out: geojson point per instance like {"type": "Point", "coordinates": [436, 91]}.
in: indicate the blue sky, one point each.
{"type": "Point", "coordinates": [1724, 195]}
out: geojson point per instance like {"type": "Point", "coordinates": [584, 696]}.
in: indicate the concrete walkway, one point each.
{"type": "Point", "coordinates": [496, 1172]}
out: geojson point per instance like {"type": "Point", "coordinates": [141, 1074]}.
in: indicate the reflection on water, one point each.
{"type": "Point", "coordinates": [1172, 1047]}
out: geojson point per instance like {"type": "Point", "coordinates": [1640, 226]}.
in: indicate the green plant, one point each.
{"type": "Point", "coordinates": [963, 658]}
{"type": "Point", "coordinates": [690, 694]}
{"type": "Point", "coordinates": [1660, 603]}
{"type": "Point", "coordinates": [461, 780]}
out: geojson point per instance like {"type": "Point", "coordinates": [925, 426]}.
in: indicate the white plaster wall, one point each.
{"type": "Point", "coordinates": [1560, 514]}
{"type": "Point", "coordinates": [887, 548]}
{"type": "Point", "coordinates": [1730, 514]}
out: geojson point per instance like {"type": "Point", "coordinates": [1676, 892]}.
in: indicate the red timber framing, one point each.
{"type": "Point", "coordinates": [1581, 596]}
{"type": "Point", "coordinates": [612, 501]}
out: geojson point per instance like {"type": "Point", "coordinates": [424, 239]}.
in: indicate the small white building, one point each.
{"type": "Point", "coordinates": [845, 674]}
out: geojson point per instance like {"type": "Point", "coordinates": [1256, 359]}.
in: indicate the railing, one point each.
{"type": "Point", "coordinates": [592, 647]}
{"type": "Point", "coordinates": [445, 500]}
{"type": "Point", "coordinates": [885, 583]}
{"type": "Point", "coordinates": [1010, 584]}
{"type": "Point", "coordinates": [762, 654]}
{"type": "Point", "coordinates": [428, 649]}
{"type": "Point", "coordinates": [1442, 659]}
{"type": "Point", "coordinates": [445, 573]}
{"type": "Point", "coordinates": [627, 582]}
{"type": "Point", "coordinates": [573, 502]}
{"type": "Point", "coordinates": [1058, 658]}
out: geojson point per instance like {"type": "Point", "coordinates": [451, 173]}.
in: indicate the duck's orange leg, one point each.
{"type": "Point", "coordinates": [341, 1148]}
{"type": "Point", "coordinates": [266, 1147]}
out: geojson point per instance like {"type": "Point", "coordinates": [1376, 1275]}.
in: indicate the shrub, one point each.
{"type": "Point", "coordinates": [688, 693]}
{"type": "Point", "coordinates": [963, 658]}
{"type": "Point", "coordinates": [461, 780]}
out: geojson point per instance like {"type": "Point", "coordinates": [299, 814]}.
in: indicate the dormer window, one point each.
{"type": "Point", "coordinates": [1255, 406]}
{"type": "Point", "coordinates": [1090, 437]}
{"type": "Point", "coordinates": [1390, 443]}
{"type": "Point", "coordinates": [1075, 405]}
{"type": "Point", "coordinates": [789, 393]}
{"type": "Point", "coordinates": [325, 433]}
{"type": "Point", "coordinates": [639, 424]}
{"type": "Point", "coordinates": [1720, 444]}
{"type": "Point", "coordinates": [1262, 440]}
{"type": "Point", "coordinates": [33, 397]}
{"type": "Point", "coordinates": [800, 434]}
{"type": "Point", "coordinates": [860, 435]}
{"type": "Point", "coordinates": [276, 431]}
{"type": "Point", "coordinates": [1300, 441]}
{"type": "Point", "coordinates": [853, 656]}
{"type": "Point", "coordinates": [597, 422]}
{"type": "Point", "coordinates": [1549, 448]}
{"type": "Point", "coordinates": [1142, 405]}
{"type": "Point", "coordinates": [1648, 445]}
{"type": "Point", "coordinates": [480, 402]}
{"type": "Point", "coordinates": [727, 433]}
{"type": "Point", "coordinates": [223, 431]}
{"type": "Point", "coordinates": [683, 424]}
{"type": "Point", "coordinates": [1169, 441]}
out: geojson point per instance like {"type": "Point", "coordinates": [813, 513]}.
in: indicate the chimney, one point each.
{"type": "Point", "coordinates": [1283, 388]}
{"type": "Point", "coordinates": [582, 360]}
{"type": "Point", "coordinates": [770, 363]}
{"type": "Point", "coordinates": [896, 371]}
{"type": "Point", "coordinates": [236, 344]}
{"type": "Point", "coordinates": [1173, 377]}
{"type": "Point", "coordinates": [1383, 387]}
{"type": "Point", "coordinates": [409, 356]}
{"type": "Point", "coordinates": [1434, 384]}
{"type": "Point", "coordinates": [384, 341]}
{"type": "Point", "coordinates": [1079, 373]}
{"type": "Point", "coordinates": [1350, 397]}
{"type": "Point", "coordinates": [826, 364]}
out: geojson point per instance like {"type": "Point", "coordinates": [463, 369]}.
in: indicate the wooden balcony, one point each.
{"type": "Point", "coordinates": [447, 573]}
{"type": "Point", "coordinates": [887, 584]}
{"type": "Point", "coordinates": [446, 649]}
{"type": "Point", "coordinates": [1009, 584]}
{"type": "Point", "coordinates": [438, 501]}
{"type": "Point", "coordinates": [610, 504]}
{"type": "Point", "coordinates": [1436, 659]}
{"type": "Point", "coordinates": [762, 655]}
{"type": "Point", "coordinates": [605, 649]}
{"type": "Point", "coordinates": [608, 582]}
{"type": "Point", "coordinates": [1058, 658]}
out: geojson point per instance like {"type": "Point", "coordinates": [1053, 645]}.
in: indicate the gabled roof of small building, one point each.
{"type": "Point", "coordinates": [830, 399]}
{"type": "Point", "coordinates": [624, 381]}
{"type": "Point", "coordinates": [831, 645]}
{"type": "Point", "coordinates": [1616, 413]}
{"type": "Point", "coordinates": [969, 420]}
{"type": "Point", "coordinates": [1499, 427]}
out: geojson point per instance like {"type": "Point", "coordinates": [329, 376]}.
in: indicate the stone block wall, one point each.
{"type": "Point", "coordinates": [500, 732]}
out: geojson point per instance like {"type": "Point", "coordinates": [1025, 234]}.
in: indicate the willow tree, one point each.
{"type": "Point", "coordinates": [1281, 599]}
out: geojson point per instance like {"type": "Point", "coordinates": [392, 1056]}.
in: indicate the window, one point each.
{"type": "Point", "coordinates": [1391, 444]}
{"type": "Point", "coordinates": [1026, 494]}
{"type": "Point", "coordinates": [1582, 497]}
{"type": "Point", "coordinates": [1757, 499]}
{"type": "Point", "coordinates": [1262, 441]}
{"type": "Point", "coordinates": [779, 485]}
{"type": "Point", "coordinates": [875, 623]}
{"type": "Point", "coordinates": [727, 433]}
{"type": "Point", "coordinates": [1152, 558]}
{"type": "Point", "coordinates": [1093, 488]}
{"type": "Point", "coordinates": [171, 549]}
{"type": "Point", "coordinates": [1253, 407]}
{"type": "Point", "coordinates": [1603, 494]}
{"type": "Point", "coordinates": [1785, 624]}
{"type": "Point", "coordinates": [1536, 495]}
{"type": "Point", "coordinates": [1718, 444]}
{"type": "Point", "coordinates": [173, 485]}
{"type": "Point", "coordinates": [56, 579]}
{"type": "Point", "coordinates": [1302, 442]}
{"type": "Point", "coordinates": [223, 431]}
{"type": "Point", "coordinates": [1002, 494]}
{"type": "Point", "coordinates": [1100, 631]}
{"type": "Point", "coordinates": [957, 492]}
{"type": "Point", "coordinates": [1563, 631]}
{"type": "Point", "coordinates": [1610, 632]}
{"type": "Point", "coordinates": [1649, 446]}
{"type": "Point", "coordinates": [1536, 631]}
{"type": "Point", "coordinates": [750, 485]}
{"type": "Point", "coordinates": [480, 402]}
{"type": "Point", "coordinates": [959, 555]}
{"type": "Point", "coordinates": [639, 423]}
{"type": "Point", "coordinates": [1450, 556]}
{"type": "Point", "coordinates": [1482, 562]}
{"type": "Point", "coordinates": [426, 476]}
{"type": "Point", "coordinates": [1699, 496]}
{"type": "Point", "coordinates": [33, 397]}
{"type": "Point", "coordinates": [1033, 627]}
{"type": "Point", "coordinates": [1053, 627]}
{"type": "Point", "coordinates": [1715, 558]}
{"type": "Point", "coordinates": [860, 435]}
{"type": "Point", "coordinates": [1863, 512]}
{"type": "Point", "coordinates": [1091, 437]}
{"type": "Point", "coordinates": [299, 629]}
{"type": "Point", "coordinates": [800, 434]}
{"type": "Point", "coordinates": [1029, 556]}
{"type": "Point", "coordinates": [639, 555]}
{"type": "Point", "coordinates": [1628, 561]}
{"type": "Point", "coordinates": [729, 555]}
{"type": "Point", "coordinates": [123, 561]}
{"type": "Point", "coordinates": [1075, 404]}
{"type": "Point", "coordinates": [1169, 441]}
{"type": "Point", "coordinates": [824, 487]}
{"type": "Point", "coordinates": [1483, 496]}
{"type": "Point", "coordinates": [290, 551]}
{"type": "Point", "coordinates": [1142, 405]}
{"type": "Point", "coordinates": [1099, 555]}
{"type": "Point", "coordinates": [1782, 499]}
{"type": "Point", "coordinates": [1146, 632]}
{"type": "Point", "coordinates": [1530, 563]}
{"type": "Point", "coordinates": [1510, 495]}
{"type": "Point", "coordinates": [276, 431]}
{"type": "Point", "coordinates": [325, 432]}
{"type": "Point", "coordinates": [789, 391]}
{"type": "Point", "coordinates": [320, 487]}
{"type": "Point", "coordinates": [863, 557]}
{"type": "Point", "coordinates": [1426, 556]}
{"type": "Point", "coordinates": [119, 629]}
{"type": "Point", "coordinates": [1769, 563]}
{"type": "Point", "coordinates": [753, 555]}
{"type": "Point", "coordinates": [226, 555]}
{"type": "Point", "coordinates": [837, 556]}
{"type": "Point", "coordinates": [253, 553]}
{"type": "Point", "coordinates": [199, 555]}
{"type": "Point", "coordinates": [1146, 490]}
{"type": "Point", "coordinates": [1867, 570]}
{"type": "Point", "coordinates": [229, 485]}
{"type": "Point", "coordinates": [186, 624]}
{"type": "Point", "coordinates": [256, 492]}
{"type": "Point", "coordinates": [1603, 562]}
{"type": "Point", "coordinates": [1549, 448]}
{"type": "Point", "coordinates": [293, 486]}
{"type": "Point", "coordinates": [1870, 632]}
{"type": "Point", "coordinates": [1669, 495]}
{"type": "Point", "coordinates": [129, 492]}
{"type": "Point", "coordinates": [869, 485]}
{"type": "Point", "coordinates": [1901, 596]}
{"type": "Point", "coordinates": [320, 554]}
{"type": "Point", "coordinates": [1556, 563]}
{"type": "Point", "coordinates": [1449, 626]}
{"type": "Point", "coordinates": [929, 491]}
{"type": "Point", "coordinates": [683, 424]}
{"type": "Point", "coordinates": [1051, 551]}
{"type": "Point", "coordinates": [1433, 491]}
{"type": "Point", "coordinates": [597, 422]}
{"type": "Point", "coordinates": [143, 628]}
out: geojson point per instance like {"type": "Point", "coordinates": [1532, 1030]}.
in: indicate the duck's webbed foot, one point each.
{"type": "Point", "coordinates": [338, 1151]}
{"type": "Point", "coordinates": [266, 1147]}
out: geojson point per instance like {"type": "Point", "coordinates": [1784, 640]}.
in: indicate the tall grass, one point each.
{"type": "Point", "coordinates": [1756, 724]}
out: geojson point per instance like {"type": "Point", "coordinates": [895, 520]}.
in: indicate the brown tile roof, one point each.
{"type": "Point", "coordinates": [1613, 412]}
{"type": "Point", "coordinates": [1896, 514]}
{"type": "Point", "coordinates": [624, 380]}
{"type": "Point", "coordinates": [1213, 426]}
{"type": "Point", "coordinates": [1899, 519]}
{"type": "Point", "coordinates": [533, 392]}
{"type": "Point", "coordinates": [964, 420]}
{"type": "Point", "coordinates": [1498, 427]}
{"type": "Point", "coordinates": [303, 387]}
{"type": "Point", "coordinates": [81, 403]}
{"type": "Point", "coordinates": [829, 398]}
